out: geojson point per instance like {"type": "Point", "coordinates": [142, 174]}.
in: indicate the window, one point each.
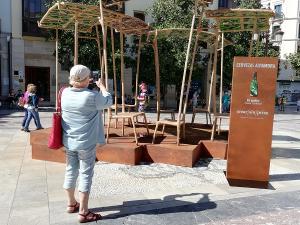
{"type": "Point", "coordinates": [33, 10]}
{"type": "Point", "coordinates": [139, 14]}
{"type": "Point", "coordinates": [223, 3]}
{"type": "Point", "coordinates": [278, 11]}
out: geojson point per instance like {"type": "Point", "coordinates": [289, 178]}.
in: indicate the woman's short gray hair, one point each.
{"type": "Point", "coordinates": [79, 73]}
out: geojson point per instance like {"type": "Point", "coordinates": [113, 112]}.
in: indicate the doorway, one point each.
{"type": "Point", "coordinates": [40, 76]}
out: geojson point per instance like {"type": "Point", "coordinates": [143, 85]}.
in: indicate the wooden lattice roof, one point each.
{"type": "Point", "coordinates": [205, 36]}
{"type": "Point", "coordinates": [236, 20]}
{"type": "Point", "coordinates": [62, 15]}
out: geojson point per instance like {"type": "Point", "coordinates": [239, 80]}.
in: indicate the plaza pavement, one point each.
{"type": "Point", "coordinates": [31, 190]}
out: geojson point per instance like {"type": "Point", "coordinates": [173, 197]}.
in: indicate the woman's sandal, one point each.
{"type": "Point", "coordinates": [89, 217]}
{"type": "Point", "coordinates": [73, 208]}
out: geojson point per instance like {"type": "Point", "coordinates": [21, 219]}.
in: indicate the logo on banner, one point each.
{"type": "Point", "coordinates": [254, 85]}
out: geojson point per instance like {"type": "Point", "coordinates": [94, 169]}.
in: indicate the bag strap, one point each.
{"type": "Point", "coordinates": [58, 109]}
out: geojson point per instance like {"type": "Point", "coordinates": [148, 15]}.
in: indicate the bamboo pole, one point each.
{"type": "Point", "coordinates": [209, 77]}
{"type": "Point", "coordinates": [221, 75]}
{"type": "Point", "coordinates": [183, 79]}
{"type": "Point", "coordinates": [76, 43]}
{"type": "Point", "coordinates": [191, 70]}
{"type": "Point", "coordinates": [214, 77]}
{"type": "Point", "coordinates": [99, 48]}
{"type": "Point", "coordinates": [184, 71]}
{"type": "Point", "coordinates": [122, 70]}
{"type": "Point", "coordinates": [56, 68]}
{"type": "Point", "coordinates": [114, 68]}
{"type": "Point", "coordinates": [104, 33]}
{"type": "Point", "coordinates": [137, 70]}
{"type": "Point", "coordinates": [157, 77]}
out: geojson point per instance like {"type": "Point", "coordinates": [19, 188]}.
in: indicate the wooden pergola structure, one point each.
{"type": "Point", "coordinates": [83, 19]}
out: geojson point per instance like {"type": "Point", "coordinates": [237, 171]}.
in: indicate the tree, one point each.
{"type": "Point", "coordinates": [241, 43]}
{"type": "Point", "coordinates": [294, 60]}
{"type": "Point", "coordinates": [172, 49]}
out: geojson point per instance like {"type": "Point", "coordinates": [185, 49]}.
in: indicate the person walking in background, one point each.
{"type": "Point", "coordinates": [11, 98]}
{"type": "Point", "coordinates": [225, 102]}
{"type": "Point", "coordinates": [23, 103]}
{"type": "Point", "coordinates": [195, 99]}
{"type": "Point", "coordinates": [83, 128]}
{"type": "Point", "coordinates": [280, 102]}
{"type": "Point", "coordinates": [32, 108]}
{"type": "Point", "coordinates": [298, 104]}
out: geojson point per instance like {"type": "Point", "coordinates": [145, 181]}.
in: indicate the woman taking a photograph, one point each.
{"type": "Point", "coordinates": [82, 130]}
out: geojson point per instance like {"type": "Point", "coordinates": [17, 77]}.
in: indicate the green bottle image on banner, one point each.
{"type": "Point", "coordinates": [254, 85]}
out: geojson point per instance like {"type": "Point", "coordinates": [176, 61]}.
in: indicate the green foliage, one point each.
{"type": "Point", "coordinates": [248, 4]}
{"type": "Point", "coordinates": [294, 60]}
{"type": "Point", "coordinates": [88, 49]}
{"type": "Point", "coordinates": [172, 50]}
{"type": "Point", "coordinates": [241, 44]}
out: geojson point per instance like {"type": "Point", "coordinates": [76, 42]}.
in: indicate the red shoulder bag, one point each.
{"type": "Point", "coordinates": [55, 138]}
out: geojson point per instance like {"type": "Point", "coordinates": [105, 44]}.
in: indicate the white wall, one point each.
{"type": "Point", "coordinates": [138, 5]}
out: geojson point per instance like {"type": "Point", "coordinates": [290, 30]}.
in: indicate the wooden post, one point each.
{"type": "Point", "coordinates": [114, 68]}
{"type": "Point", "coordinates": [221, 75]}
{"type": "Point", "coordinates": [122, 70]}
{"type": "Point", "coordinates": [76, 43]}
{"type": "Point", "coordinates": [157, 77]}
{"type": "Point", "coordinates": [99, 49]}
{"type": "Point", "coordinates": [56, 68]}
{"type": "Point", "coordinates": [184, 78]}
{"type": "Point", "coordinates": [137, 70]}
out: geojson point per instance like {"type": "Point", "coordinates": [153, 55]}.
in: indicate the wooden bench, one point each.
{"type": "Point", "coordinates": [217, 116]}
{"type": "Point", "coordinates": [171, 111]}
{"type": "Point", "coordinates": [131, 116]}
{"type": "Point", "coordinates": [201, 110]}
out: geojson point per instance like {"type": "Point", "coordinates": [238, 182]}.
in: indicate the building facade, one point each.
{"type": "Point", "coordinates": [287, 17]}
{"type": "Point", "coordinates": [5, 47]}
{"type": "Point", "coordinates": [28, 57]}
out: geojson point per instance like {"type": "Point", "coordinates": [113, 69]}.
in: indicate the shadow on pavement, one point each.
{"type": "Point", "coordinates": [285, 177]}
{"type": "Point", "coordinates": [284, 138]}
{"type": "Point", "coordinates": [286, 153]}
{"type": "Point", "coordinates": [169, 204]}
